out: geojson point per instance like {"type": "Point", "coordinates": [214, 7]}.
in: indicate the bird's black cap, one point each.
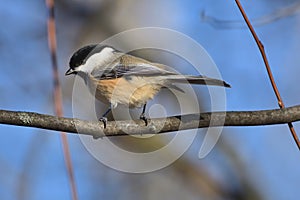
{"type": "Point", "coordinates": [82, 54]}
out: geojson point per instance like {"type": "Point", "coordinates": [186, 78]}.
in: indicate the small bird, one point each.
{"type": "Point", "coordinates": [117, 78]}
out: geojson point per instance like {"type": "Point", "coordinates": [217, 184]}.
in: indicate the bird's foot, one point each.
{"type": "Point", "coordinates": [144, 118]}
{"type": "Point", "coordinates": [104, 120]}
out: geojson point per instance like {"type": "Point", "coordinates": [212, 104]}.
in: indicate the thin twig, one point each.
{"type": "Point", "coordinates": [155, 126]}
{"type": "Point", "coordinates": [57, 95]}
{"type": "Point", "coordinates": [264, 56]}
{"type": "Point", "coordinates": [279, 14]}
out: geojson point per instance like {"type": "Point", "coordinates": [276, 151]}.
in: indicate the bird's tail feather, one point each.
{"type": "Point", "coordinates": [200, 80]}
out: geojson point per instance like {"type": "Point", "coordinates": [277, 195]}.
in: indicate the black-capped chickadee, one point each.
{"type": "Point", "coordinates": [118, 78]}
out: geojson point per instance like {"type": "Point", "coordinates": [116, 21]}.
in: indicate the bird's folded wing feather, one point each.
{"type": "Point", "coordinates": [128, 66]}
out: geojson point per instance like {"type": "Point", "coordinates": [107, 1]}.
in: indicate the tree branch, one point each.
{"type": "Point", "coordinates": [268, 68]}
{"type": "Point", "coordinates": [156, 126]}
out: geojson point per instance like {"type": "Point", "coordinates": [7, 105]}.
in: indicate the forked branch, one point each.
{"type": "Point", "coordinates": [268, 68]}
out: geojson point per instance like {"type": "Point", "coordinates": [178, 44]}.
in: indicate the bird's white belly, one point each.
{"type": "Point", "coordinates": [133, 92]}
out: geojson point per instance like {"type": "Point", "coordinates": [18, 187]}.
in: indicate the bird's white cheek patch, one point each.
{"type": "Point", "coordinates": [96, 60]}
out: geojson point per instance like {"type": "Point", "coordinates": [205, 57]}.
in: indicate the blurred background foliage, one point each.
{"type": "Point", "coordinates": [246, 163]}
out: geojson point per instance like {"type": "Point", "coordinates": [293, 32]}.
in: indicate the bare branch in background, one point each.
{"type": "Point", "coordinates": [156, 126]}
{"type": "Point", "coordinates": [57, 94]}
{"type": "Point", "coordinates": [266, 19]}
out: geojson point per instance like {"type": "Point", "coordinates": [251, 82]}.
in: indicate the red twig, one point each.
{"type": "Point", "coordinates": [264, 56]}
{"type": "Point", "coordinates": [57, 95]}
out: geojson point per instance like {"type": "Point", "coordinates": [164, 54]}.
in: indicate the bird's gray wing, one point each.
{"type": "Point", "coordinates": [137, 69]}
{"type": "Point", "coordinates": [127, 66]}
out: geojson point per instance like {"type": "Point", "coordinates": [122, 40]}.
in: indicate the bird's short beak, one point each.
{"type": "Point", "coordinates": [70, 71]}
